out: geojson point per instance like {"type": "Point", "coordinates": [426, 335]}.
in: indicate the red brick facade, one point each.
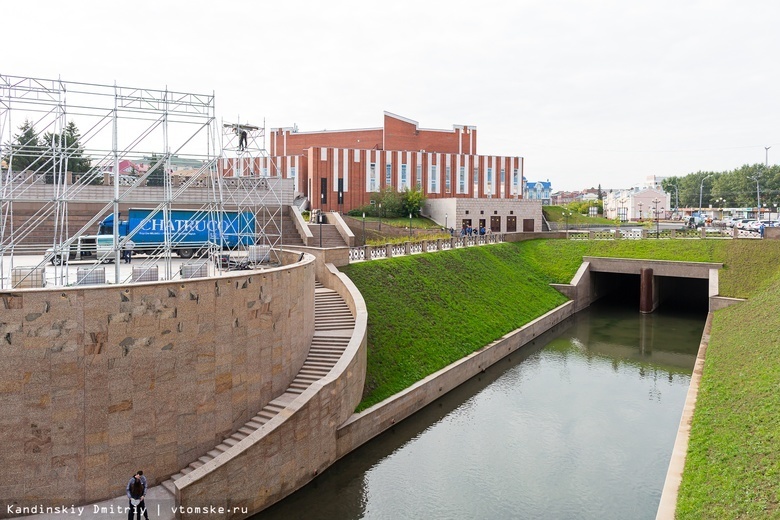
{"type": "Point", "coordinates": [355, 164]}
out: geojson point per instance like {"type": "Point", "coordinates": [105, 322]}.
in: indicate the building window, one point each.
{"type": "Point", "coordinates": [447, 187]}
{"type": "Point", "coordinates": [490, 179]}
{"type": "Point", "coordinates": [515, 178]}
{"type": "Point", "coordinates": [433, 179]}
{"type": "Point", "coordinates": [372, 177]}
{"type": "Point", "coordinates": [404, 180]}
{"type": "Point", "coordinates": [419, 176]}
{"type": "Point", "coordinates": [462, 180]}
{"type": "Point", "coordinates": [292, 172]}
{"type": "Point", "coordinates": [503, 176]}
{"type": "Point", "coordinates": [265, 172]}
{"type": "Point", "coordinates": [389, 175]}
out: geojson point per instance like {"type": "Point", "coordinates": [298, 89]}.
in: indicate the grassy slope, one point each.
{"type": "Point", "coordinates": [733, 465]}
{"type": "Point", "coordinates": [426, 311]}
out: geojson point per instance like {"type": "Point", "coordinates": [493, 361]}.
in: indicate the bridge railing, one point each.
{"type": "Point", "coordinates": [363, 253]}
{"type": "Point", "coordinates": [640, 234]}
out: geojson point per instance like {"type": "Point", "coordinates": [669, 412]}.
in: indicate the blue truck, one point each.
{"type": "Point", "coordinates": [189, 230]}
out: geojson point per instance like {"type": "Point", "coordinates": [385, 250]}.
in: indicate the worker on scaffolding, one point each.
{"type": "Point", "coordinates": [241, 138]}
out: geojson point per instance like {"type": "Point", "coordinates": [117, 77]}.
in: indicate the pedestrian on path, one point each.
{"type": "Point", "coordinates": [136, 493]}
{"type": "Point", "coordinates": [127, 252]}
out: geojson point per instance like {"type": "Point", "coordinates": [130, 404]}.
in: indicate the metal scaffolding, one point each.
{"type": "Point", "coordinates": [43, 200]}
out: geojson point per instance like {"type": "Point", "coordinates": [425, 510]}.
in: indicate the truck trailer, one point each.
{"type": "Point", "coordinates": [188, 230]}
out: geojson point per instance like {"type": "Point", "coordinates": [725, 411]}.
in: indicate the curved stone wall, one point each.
{"type": "Point", "coordinates": [300, 442]}
{"type": "Point", "coordinates": [99, 382]}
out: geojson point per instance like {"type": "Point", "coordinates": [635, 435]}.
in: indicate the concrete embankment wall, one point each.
{"type": "Point", "coordinates": [363, 426]}
{"type": "Point", "coordinates": [101, 381]}
{"type": "Point", "coordinates": [300, 442]}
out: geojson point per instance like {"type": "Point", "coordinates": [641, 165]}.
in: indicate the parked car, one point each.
{"type": "Point", "coordinates": [754, 225]}
{"type": "Point", "coordinates": [743, 223]}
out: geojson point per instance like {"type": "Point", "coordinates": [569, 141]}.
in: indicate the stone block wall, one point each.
{"type": "Point", "coordinates": [296, 445]}
{"type": "Point", "coordinates": [100, 382]}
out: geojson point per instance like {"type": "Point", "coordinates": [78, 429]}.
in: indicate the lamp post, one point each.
{"type": "Point", "coordinates": [410, 226]}
{"type": "Point", "coordinates": [380, 216]}
{"type": "Point", "coordinates": [566, 215]}
{"type": "Point", "coordinates": [640, 210]}
{"type": "Point", "coordinates": [720, 201]}
{"type": "Point", "coordinates": [445, 222]}
{"type": "Point", "coordinates": [701, 191]}
{"type": "Point", "coordinates": [657, 226]}
{"type": "Point", "coordinates": [319, 219]}
{"type": "Point", "coordinates": [364, 228]}
{"type": "Point", "coordinates": [622, 213]}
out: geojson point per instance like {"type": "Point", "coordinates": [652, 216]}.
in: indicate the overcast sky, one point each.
{"type": "Point", "coordinates": [588, 92]}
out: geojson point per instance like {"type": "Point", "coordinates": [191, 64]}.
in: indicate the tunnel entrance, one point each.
{"type": "Point", "coordinates": [674, 293]}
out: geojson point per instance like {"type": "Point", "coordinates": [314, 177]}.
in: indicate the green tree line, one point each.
{"type": "Point", "coordinates": [393, 204]}
{"type": "Point", "coordinates": [50, 153]}
{"type": "Point", "coordinates": [729, 189]}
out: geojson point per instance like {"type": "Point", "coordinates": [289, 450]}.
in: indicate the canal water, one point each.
{"type": "Point", "coordinates": [578, 425]}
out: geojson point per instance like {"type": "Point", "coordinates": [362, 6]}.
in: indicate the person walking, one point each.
{"type": "Point", "coordinates": [136, 494]}
{"type": "Point", "coordinates": [127, 252]}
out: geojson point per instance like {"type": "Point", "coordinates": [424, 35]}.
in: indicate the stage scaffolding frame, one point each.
{"type": "Point", "coordinates": [120, 123]}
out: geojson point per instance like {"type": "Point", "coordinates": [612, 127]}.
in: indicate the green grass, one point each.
{"type": "Point", "coordinates": [426, 311]}
{"type": "Point", "coordinates": [733, 464]}
{"type": "Point", "coordinates": [403, 222]}
{"type": "Point", "coordinates": [555, 214]}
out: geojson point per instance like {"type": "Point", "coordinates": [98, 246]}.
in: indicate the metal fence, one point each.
{"type": "Point", "coordinates": [362, 253]}
{"type": "Point", "coordinates": [639, 234]}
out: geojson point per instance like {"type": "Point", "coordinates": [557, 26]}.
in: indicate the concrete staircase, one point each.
{"type": "Point", "coordinates": [333, 326]}
{"type": "Point", "coordinates": [330, 236]}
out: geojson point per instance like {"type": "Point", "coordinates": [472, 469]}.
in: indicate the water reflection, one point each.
{"type": "Point", "coordinates": [579, 425]}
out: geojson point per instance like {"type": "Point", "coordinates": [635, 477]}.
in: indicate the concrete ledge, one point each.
{"type": "Point", "coordinates": [371, 422]}
{"type": "Point", "coordinates": [659, 267]}
{"type": "Point", "coordinates": [721, 302]}
{"type": "Point", "coordinates": [300, 225]}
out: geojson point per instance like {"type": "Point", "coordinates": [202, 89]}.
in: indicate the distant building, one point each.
{"type": "Point", "coordinates": [538, 190]}
{"type": "Point", "coordinates": [341, 170]}
{"type": "Point", "coordinates": [636, 204]}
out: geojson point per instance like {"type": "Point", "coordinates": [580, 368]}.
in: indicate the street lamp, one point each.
{"type": "Point", "coordinates": [622, 212]}
{"type": "Point", "coordinates": [410, 226]}
{"type": "Point", "coordinates": [657, 227]}
{"type": "Point", "coordinates": [380, 216]}
{"type": "Point", "coordinates": [319, 219]}
{"type": "Point", "coordinates": [364, 228]}
{"type": "Point", "coordinates": [701, 191]}
{"type": "Point", "coordinates": [720, 201]}
{"type": "Point", "coordinates": [445, 222]}
{"type": "Point", "coordinates": [566, 215]}
{"type": "Point", "coordinates": [640, 210]}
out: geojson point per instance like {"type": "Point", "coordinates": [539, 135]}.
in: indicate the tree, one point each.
{"type": "Point", "coordinates": [157, 175]}
{"type": "Point", "coordinates": [26, 150]}
{"type": "Point", "coordinates": [600, 194]}
{"type": "Point", "coordinates": [412, 201]}
{"type": "Point", "coordinates": [68, 148]}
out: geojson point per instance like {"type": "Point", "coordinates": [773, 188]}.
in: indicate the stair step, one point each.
{"type": "Point", "coordinates": [247, 430]}
{"type": "Point", "coordinates": [168, 484]}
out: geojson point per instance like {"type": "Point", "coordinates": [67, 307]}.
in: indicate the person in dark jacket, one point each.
{"type": "Point", "coordinates": [136, 493]}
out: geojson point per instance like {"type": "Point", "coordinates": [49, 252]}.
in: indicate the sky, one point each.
{"type": "Point", "coordinates": [592, 92]}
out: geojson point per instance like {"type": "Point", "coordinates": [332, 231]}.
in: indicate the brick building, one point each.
{"type": "Point", "coordinates": [339, 170]}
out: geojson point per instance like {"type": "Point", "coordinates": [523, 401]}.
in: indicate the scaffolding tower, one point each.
{"type": "Point", "coordinates": [245, 165]}
{"type": "Point", "coordinates": [47, 170]}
